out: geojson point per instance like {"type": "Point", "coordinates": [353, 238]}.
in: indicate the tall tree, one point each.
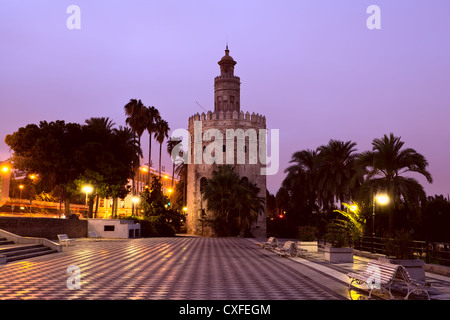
{"type": "Point", "coordinates": [136, 114]}
{"type": "Point", "coordinates": [335, 172]}
{"type": "Point", "coordinates": [152, 117]}
{"type": "Point", "coordinates": [161, 133]}
{"type": "Point", "coordinates": [235, 203]}
{"type": "Point", "coordinates": [49, 150]}
{"type": "Point", "coordinates": [173, 151]}
{"type": "Point", "coordinates": [300, 187]}
{"type": "Point", "coordinates": [385, 169]}
{"type": "Point", "coordinates": [136, 119]}
{"type": "Point", "coordinates": [181, 172]}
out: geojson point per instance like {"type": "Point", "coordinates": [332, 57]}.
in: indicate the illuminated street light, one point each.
{"type": "Point", "coordinates": [88, 189]}
{"type": "Point", "coordinates": [135, 200]}
{"type": "Point", "coordinates": [381, 199]}
{"type": "Point", "coordinates": [5, 169]}
{"type": "Point", "coordinates": [185, 209]}
{"type": "Point", "coordinates": [21, 188]}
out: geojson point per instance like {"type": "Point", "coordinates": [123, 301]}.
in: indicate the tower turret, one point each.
{"type": "Point", "coordinates": [227, 87]}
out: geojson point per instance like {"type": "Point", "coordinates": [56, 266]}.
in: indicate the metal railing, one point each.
{"type": "Point", "coordinates": [430, 252]}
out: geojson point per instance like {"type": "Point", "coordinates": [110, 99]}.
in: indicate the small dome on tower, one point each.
{"type": "Point", "coordinates": [227, 58]}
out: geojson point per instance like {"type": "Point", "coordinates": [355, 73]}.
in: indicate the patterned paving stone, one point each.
{"type": "Point", "coordinates": [187, 268]}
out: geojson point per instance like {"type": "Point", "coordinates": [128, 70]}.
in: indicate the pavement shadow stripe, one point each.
{"type": "Point", "coordinates": [283, 262]}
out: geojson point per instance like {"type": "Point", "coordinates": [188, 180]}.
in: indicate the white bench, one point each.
{"type": "Point", "coordinates": [65, 240]}
{"type": "Point", "coordinates": [412, 285]}
{"type": "Point", "coordinates": [270, 244]}
{"type": "Point", "coordinates": [289, 248]}
{"type": "Point", "coordinates": [381, 275]}
{"type": "Point", "coordinates": [94, 236]}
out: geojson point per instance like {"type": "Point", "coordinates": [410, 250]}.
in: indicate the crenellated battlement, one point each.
{"type": "Point", "coordinates": [227, 77]}
{"type": "Point", "coordinates": [220, 116]}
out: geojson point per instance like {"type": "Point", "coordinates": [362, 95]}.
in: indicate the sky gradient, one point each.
{"type": "Point", "coordinates": [312, 68]}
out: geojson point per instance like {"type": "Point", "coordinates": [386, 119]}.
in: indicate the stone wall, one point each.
{"type": "Point", "coordinates": [47, 228]}
{"type": "Point", "coordinates": [197, 170]}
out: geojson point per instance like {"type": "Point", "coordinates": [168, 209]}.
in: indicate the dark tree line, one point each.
{"type": "Point", "coordinates": [66, 156]}
{"type": "Point", "coordinates": [321, 180]}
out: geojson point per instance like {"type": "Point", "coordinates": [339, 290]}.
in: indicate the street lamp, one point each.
{"type": "Point", "coordinates": [135, 201]}
{"type": "Point", "coordinates": [381, 199]}
{"type": "Point", "coordinates": [87, 189]}
{"type": "Point", "coordinates": [21, 188]}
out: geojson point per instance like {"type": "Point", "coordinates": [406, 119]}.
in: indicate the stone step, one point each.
{"type": "Point", "coordinates": [4, 241]}
{"type": "Point", "coordinates": [30, 255]}
{"type": "Point", "coordinates": [23, 251]}
{"type": "Point", "coordinates": [19, 247]}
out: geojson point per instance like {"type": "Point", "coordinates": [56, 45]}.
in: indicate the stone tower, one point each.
{"type": "Point", "coordinates": [242, 130]}
{"type": "Point", "coordinates": [227, 87]}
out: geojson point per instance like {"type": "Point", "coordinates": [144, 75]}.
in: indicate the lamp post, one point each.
{"type": "Point", "coordinates": [381, 199]}
{"type": "Point", "coordinates": [21, 188]}
{"type": "Point", "coordinates": [135, 201]}
{"type": "Point", "coordinates": [87, 190]}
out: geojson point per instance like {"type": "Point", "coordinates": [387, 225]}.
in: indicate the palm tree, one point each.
{"type": "Point", "coordinates": [161, 133]}
{"type": "Point", "coordinates": [128, 156]}
{"type": "Point", "coordinates": [248, 204]}
{"type": "Point", "coordinates": [335, 172]}
{"type": "Point", "coordinates": [136, 117]}
{"type": "Point", "coordinates": [235, 202]}
{"type": "Point", "coordinates": [98, 129]}
{"type": "Point", "coordinates": [136, 112]}
{"type": "Point", "coordinates": [384, 169]}
{"type": "Point", "coordinates": [152, 116]}
{"type": "Point", "coordinates": [171, 144]}
{"type": "Point", "coordinates": [102, 123]}
{"type": "Point", "coordinates": [300, 185]}
{"type": "Point", "coordinates": [181, 172]}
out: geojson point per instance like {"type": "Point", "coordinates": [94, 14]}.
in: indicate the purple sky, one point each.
{"type": "Point", "coordinates": [312, 68]}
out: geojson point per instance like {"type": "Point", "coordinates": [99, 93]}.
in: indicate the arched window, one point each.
{"type": "Point", "coordinates": [244, 179]}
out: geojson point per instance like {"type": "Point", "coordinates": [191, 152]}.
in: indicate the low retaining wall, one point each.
{"type": "Point", "coordinates": [47, 228]}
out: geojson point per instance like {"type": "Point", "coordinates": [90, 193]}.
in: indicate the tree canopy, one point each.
{"type": "Point", "coordinates": [65, 155]}
{"type": "Point", "coordinates": [234, 203]}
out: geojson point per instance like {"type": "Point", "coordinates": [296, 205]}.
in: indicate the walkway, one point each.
{"type": "Point", "coordinates": [187, 268]}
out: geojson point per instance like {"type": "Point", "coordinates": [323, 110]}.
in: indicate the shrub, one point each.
{"type": "Point", "coordinates": [307, 233]}
{"type": "Point", "coordinates": [400, 246]}
{"type": "Point", "coordinates": [337, 235]}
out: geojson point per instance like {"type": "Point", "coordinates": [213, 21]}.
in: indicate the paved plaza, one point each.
{"type": "Point", "coordinates": [187, 268]}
